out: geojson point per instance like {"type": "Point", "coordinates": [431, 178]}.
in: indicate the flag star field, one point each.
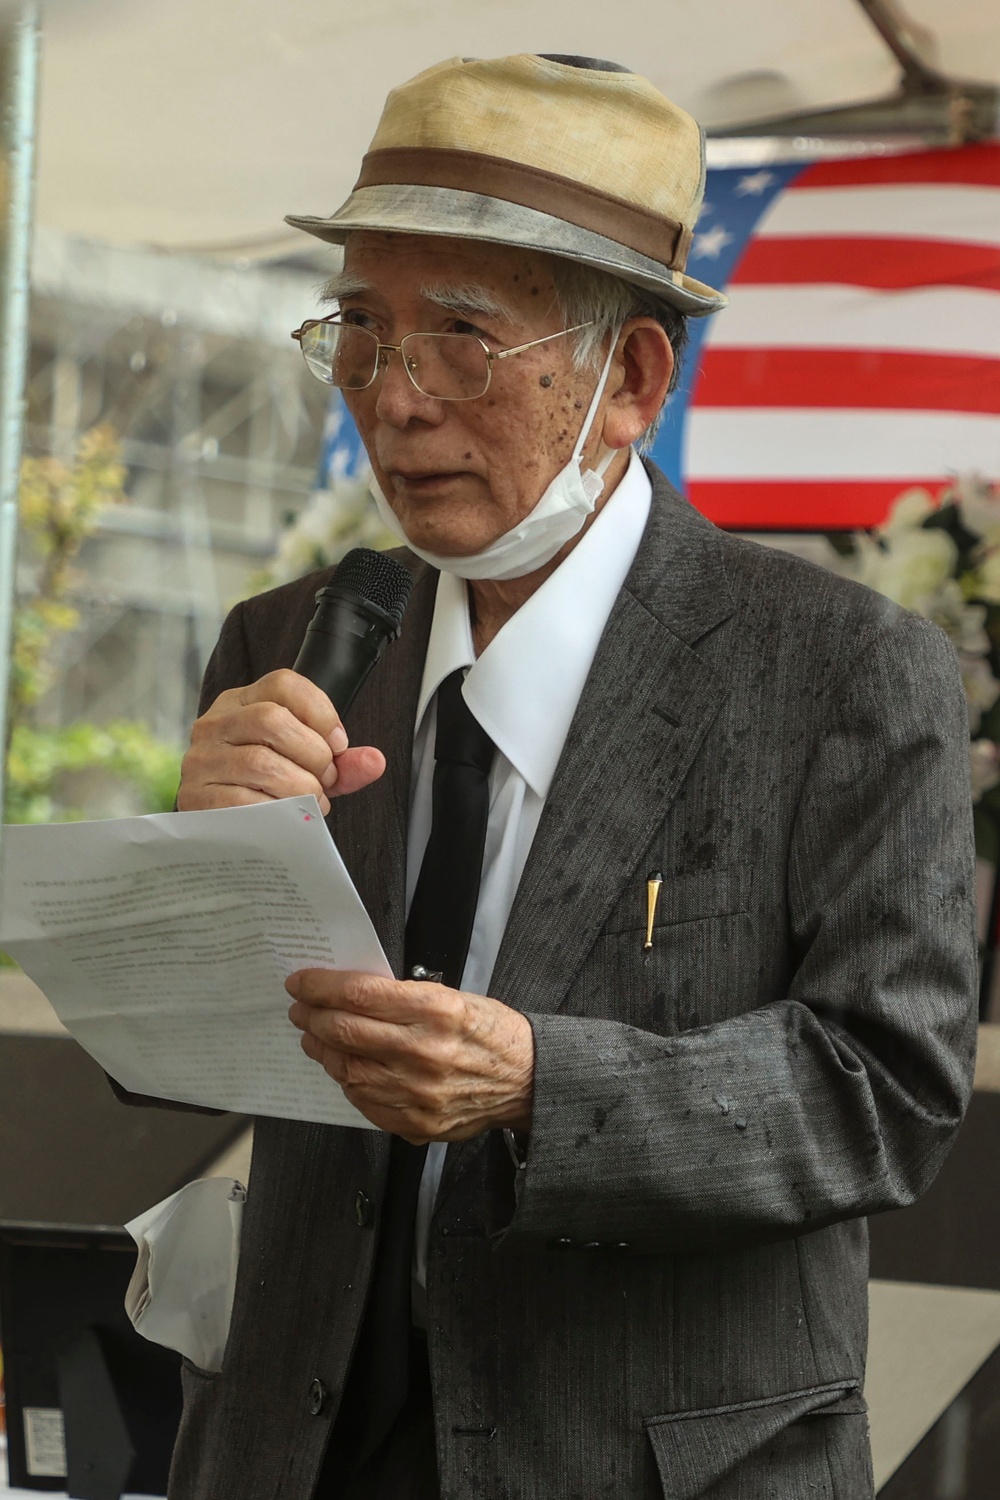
{"type": "Point", "coordinates": [860, 353]}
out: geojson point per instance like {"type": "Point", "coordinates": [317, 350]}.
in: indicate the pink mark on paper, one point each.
{"type": "Point", "coordinates": [307, 817]}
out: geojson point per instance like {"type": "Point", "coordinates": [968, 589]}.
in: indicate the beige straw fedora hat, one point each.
{"type": "Point", "coordinates": [574, 156]}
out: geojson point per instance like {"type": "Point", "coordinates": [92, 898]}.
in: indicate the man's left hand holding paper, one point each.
{"type": "Point", "coordinates": [424, 1061]}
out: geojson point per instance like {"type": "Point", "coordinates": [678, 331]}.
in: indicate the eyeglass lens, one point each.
{"type": "Point", "coordinates": [450, 366]}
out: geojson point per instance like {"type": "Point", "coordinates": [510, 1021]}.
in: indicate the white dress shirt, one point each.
{"type": "Point", "coordinates": [523, 690]}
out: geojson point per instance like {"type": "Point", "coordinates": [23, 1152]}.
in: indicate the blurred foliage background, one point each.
{"type": "Point", "coordinates": [53, 773]}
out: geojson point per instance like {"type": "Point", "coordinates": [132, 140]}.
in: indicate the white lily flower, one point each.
{"type": "Point", "coordinates": [981, 687]}
{"type": "Point", "coordinates": [987, 573]}
{"type": "Point", "coordinates": [984, 756]}
{"type": "Point", "coordinates": [912, 566]}
{"type": "Point", "coordinates": [909, 510]}
{"type": "Point", "coordinates": [978, 505]}
{"type": "Point", "coordinates": [962, 622]}
{"type": "Point", "coordinates": [920, 567]}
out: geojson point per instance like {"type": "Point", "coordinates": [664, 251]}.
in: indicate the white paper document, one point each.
{"type": "Point", "coordinates": [163, 943]}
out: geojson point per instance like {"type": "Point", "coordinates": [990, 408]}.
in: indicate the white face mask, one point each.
{"type": "Point", "coordinates": [558, 516]}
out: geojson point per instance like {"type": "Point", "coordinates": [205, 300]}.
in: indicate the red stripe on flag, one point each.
{"type": "Point", "coordinates": [844, 378]}
{"type": "Point", "coordinates": [878, 263]}
{"type": "Point", "coordinates": [801, 505]}
{"type": "Point", "coordinates": [973, 166]}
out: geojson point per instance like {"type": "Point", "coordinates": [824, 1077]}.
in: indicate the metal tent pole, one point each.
{"type": "Point", "coordinates": [20, 32]}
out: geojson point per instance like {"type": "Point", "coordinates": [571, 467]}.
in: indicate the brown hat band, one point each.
{"type": "Point", "coordinates": [531, 187]}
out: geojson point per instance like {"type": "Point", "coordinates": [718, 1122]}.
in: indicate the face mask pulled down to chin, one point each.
{"type": "Point", "coordinates": [558, 516]}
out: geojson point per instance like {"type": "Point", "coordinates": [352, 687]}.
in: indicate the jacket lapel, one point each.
{"type": "Point", "coordinates": [642, 717]}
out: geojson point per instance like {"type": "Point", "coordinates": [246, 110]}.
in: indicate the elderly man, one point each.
{"type": "Point", "coordinates": [706, 992]}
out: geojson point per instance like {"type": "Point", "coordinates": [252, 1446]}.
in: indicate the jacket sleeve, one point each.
{"type": "Point", "coordinates": [840, 1097]}
{"type": "Point", "coordinates": [229, 664]}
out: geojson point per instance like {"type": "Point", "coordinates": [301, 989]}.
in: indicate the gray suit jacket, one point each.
{"type": "Point", "coordinates": [672, 1300]}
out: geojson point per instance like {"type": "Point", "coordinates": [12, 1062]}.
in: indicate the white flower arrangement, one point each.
{"type": "Point", "coordinates": [940, 557]}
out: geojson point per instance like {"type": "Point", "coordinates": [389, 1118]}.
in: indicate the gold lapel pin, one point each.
{"type": "Point", "coordinates": [653, 882]}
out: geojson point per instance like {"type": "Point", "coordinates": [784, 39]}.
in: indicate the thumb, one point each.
{"type": "Point", "coordinates": [357, 768]}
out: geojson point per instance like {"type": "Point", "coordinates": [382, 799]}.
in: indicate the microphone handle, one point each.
{"type": "Point", "coordinates": [344, 641]}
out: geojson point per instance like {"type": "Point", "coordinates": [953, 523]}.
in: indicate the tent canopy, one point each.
{"type": "Point", "coordinates": [194, 126]}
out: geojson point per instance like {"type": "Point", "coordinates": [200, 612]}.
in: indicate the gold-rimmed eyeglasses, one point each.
{"type": "Point", "coordinates": [446, 366]}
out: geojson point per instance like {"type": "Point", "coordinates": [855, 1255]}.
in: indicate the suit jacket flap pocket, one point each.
{"type": "Point", "coordinates": [695, 1449]}
{"type": "Point", "coordinates": [688, 897]}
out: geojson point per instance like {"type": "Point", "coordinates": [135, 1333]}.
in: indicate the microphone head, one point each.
{"type": "Point", "coordinates": [375, 578]}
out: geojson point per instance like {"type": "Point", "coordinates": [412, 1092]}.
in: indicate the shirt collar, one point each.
{"type": "Point", "coordinates": [525, 687]}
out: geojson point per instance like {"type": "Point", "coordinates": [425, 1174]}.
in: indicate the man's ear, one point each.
{"type": "Point", "coordinates": [644, 362]}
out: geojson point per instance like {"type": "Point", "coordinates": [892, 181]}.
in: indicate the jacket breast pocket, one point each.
{"type": "Point", "coordinates": [702, 948]}
{"type": "Point", "coordinates": [691, 896]}
{"type": "Point", "coordinates": [808, 1442]}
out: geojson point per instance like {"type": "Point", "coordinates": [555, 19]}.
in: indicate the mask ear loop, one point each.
{"type": "Point", "coordinates": [600, 468]}
{"type": "Point", "coordinates": [593, 479]}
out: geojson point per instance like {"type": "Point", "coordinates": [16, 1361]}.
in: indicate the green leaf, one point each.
{"type": "Point", "coordinates": [40, 759]}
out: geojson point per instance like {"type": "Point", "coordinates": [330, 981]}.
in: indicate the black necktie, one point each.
{"type": "Point", "coordinates": [443, 908]}
{"type": "Point", "coordinates": [438, 931]}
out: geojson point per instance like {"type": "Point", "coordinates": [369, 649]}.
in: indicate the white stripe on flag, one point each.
{"type": "Point", "coordinates": [931, 320]}
{"type": "Point", "coordinates": [773, 443]}
{"type": "Point", "coordinates": [966, 215]}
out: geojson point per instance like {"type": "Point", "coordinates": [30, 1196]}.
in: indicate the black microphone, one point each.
{"type": "Point", "coordinates": [357, 615]}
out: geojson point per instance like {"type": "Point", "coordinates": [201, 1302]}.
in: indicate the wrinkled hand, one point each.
{"type": "Point", "coordinates": [424, 1061]}
{"type": "Point", "coordinates": [279, 737]}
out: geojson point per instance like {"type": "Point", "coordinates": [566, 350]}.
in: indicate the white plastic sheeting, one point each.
{"type": "Point", "coordinates": [185, 124]}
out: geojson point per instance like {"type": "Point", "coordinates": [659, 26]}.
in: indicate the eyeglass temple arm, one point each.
{"type": "Point", "coordinates": [520, 348]}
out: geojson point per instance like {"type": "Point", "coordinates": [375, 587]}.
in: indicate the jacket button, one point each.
{"type": "Point", "coordinates": [593, 1245]}
{"type": "Point", "coordinates": [363, 1208]}
{"type": "Point", "coordinates": [562, 1243]}
{"type": "Point", "coordinates": [622, 1245]}
{"type": "Point", "coordinates": [316, 1400]}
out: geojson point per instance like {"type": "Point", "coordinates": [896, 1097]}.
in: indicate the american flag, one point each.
{"type": "Point", "coordinates": [860, 354]}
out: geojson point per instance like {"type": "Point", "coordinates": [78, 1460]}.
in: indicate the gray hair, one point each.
{"type": "Point", "coordinates": [587, 295]}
